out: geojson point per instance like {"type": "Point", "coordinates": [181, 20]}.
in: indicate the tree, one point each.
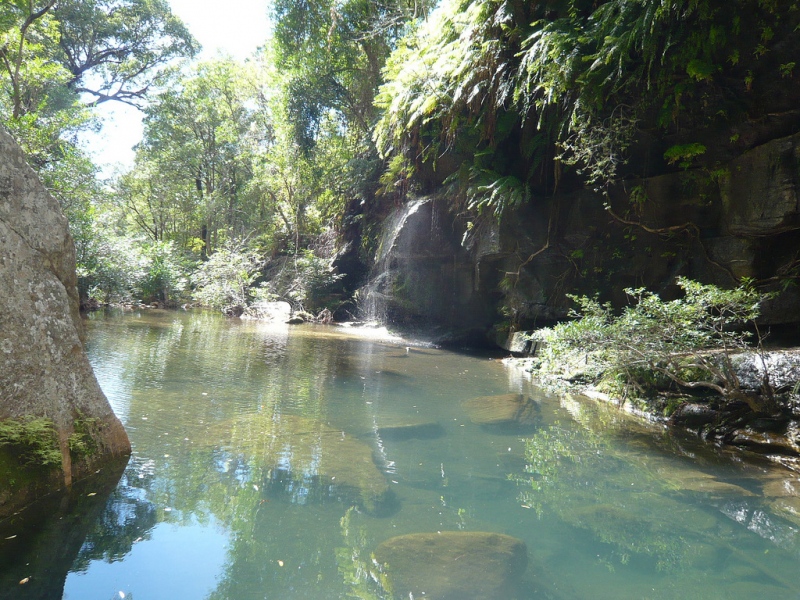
{"type": "Point", "coordinates": [197, 152]}
{"type": "Point", "coordinates": [225, 281]}
{"type": "Point", "coordinates": [118, 49]}
{"type": "Point", "coordinates": [333, 53]}
{"type": "Point", "coordinates": [55, 53]}
{"type": "Point", "coordinates": [27, 27]}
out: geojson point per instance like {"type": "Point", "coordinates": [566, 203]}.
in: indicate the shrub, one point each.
{"type": "Point", "coordinates": [314, 281]}
{"type": "Point", "coordinates": [162, 276]}
{"type": "Point", "coordinates": [110, 271]}
{"type": "Point", "coordinates": [688, 341]}
{"type": "Point", "coordinates": [225, 281]}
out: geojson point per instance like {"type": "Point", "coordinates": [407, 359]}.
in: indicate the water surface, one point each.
{"type": "Point", "coordinates": [270, 461]}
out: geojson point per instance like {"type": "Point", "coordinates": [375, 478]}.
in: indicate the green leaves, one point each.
{"type": "Point", "coordinates": [225, 280]}
{"type": "Point", "coordinates": [32, 440]}
{"type": "Point", "coordinates": [687, 341]}
{"type": "Point", "coordinates": [684, 154]}
{"type": "Point", "coordinates": [117, 49]}
{"type": "Point", "coordinates": [581, 76]}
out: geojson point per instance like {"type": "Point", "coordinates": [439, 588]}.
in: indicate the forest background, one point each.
{"type": "Point", "coordinates": [249, 173]}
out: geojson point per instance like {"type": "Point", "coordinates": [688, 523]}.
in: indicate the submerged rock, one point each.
{"type": "Point", "coordinates": [764, 441]}
{"type": "Point", "coordinates": [502, 410]}
{"type": "Point", "coordinates": [686, 478]}
{"type": "Point", "coordinates": [782, 493]}
{"type": "Point", "coordinates": [453, 565]}
{"type": "Point", "coordinates": [309, 460]}
{"type": "Point", "coordinates": [397, 431]}
{"type": "Point", "coordinates": [788, 508]}
{"type": "Point", "coordinates": [782, 487]}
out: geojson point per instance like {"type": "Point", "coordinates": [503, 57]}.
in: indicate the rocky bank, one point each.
{"type": "Point", "coordinates": [773, 431]}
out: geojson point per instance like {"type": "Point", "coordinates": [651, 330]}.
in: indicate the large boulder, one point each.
{"type": "Point", "coordinates": [453, 565]}
{"type": "Point", "coordinates": [45, 377]}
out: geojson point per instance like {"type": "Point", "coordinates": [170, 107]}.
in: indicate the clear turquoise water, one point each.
{"type": "Point", "coordinates": [229, 493]}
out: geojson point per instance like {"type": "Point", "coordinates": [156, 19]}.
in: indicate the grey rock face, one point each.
{"type": "Point", "coordinates": [44, 371]}
{"type": "Point", "coordinates": [760, 193]}
{"type": "Point", "coordinates": [423, 278]}
{"type": "Point", "coordinates": [782, 369]}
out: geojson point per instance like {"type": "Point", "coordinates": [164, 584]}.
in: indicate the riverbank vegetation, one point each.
{"type": "Point", "coordinates": [254, 160]}
{"type": "Point", "coordinates": [251, 176]}
{"type": "Point", "coordinates": [686, 345]}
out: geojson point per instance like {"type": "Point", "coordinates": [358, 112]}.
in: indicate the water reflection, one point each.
{"type": "Point", "coordinates": [271, 462]}
{"type": "Point", "coordinates": [660, 511]}
{"type": "Point", "coordinates": [40, 544]}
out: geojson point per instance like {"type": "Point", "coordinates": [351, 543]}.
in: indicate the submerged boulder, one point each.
{"type": "Point", "coordinates": [686, 478]}
{"type": "Point", "coordinates": [783, 496]}
{"type": "Point", "coordinates": [501, 410]}
{"type": "Point", "coordinates": [311, 461]}
{"type": "Point", "coordinates": [453, 565]}
{"type": "Point", "coordinates": [46, 381]}
{"type": "Point", "coordinates": [397, 430]}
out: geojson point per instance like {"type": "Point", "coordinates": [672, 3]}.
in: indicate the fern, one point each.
{"type": "Point", "coordinates": [562, 69]}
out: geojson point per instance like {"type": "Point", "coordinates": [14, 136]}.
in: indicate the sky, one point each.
{"type": "Point", "coordinates": [234, 27]}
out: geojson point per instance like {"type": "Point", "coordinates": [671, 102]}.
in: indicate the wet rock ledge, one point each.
{"type": "Point", "coordinates": [766, 425]}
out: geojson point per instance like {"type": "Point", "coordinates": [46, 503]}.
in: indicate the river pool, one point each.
{"type": "Point", "coordinates": [270, 461]}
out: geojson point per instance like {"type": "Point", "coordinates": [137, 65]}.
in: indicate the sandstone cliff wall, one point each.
{"type": "Point", "coordinates": [740, 219]}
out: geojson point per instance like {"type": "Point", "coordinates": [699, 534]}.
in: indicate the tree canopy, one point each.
{"type": "Point", "coordinates": [351, 104]}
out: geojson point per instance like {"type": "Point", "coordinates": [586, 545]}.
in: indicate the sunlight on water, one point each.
{"type": "Point", "coordinates": [271, 462]}
{"type": "Point", "coordinates": [371, 331]}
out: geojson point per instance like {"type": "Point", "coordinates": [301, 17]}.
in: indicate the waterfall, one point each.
{"type": "Point", "coordinates": [399, 242]}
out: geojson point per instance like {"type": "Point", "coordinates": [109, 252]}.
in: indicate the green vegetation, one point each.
{"type": "Point", "coordinates": [226, 280]}
{"type": "Point", "coordinates": [688, 342]}
{"type": "Point", "coordinates": [32, 441]}
{"type": "Point", "coordinates": [60, 59]}
{"type": "Point", "coordinates": [82, 441]}
{"type": "Point", "coordinates": [515, 91]}
{"type": "Point", "coordinates": [250, 172]}
{"type": "Point", "coordinates": [260, 156]}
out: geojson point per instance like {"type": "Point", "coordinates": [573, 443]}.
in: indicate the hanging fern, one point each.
{"type": "Point", "coordinates": [566, 67]}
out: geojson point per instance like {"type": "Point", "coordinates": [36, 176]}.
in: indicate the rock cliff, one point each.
{"type": "Point", "coordinates": [739, 219]}
{"type": "Point", "coordinates": [45, 377]}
